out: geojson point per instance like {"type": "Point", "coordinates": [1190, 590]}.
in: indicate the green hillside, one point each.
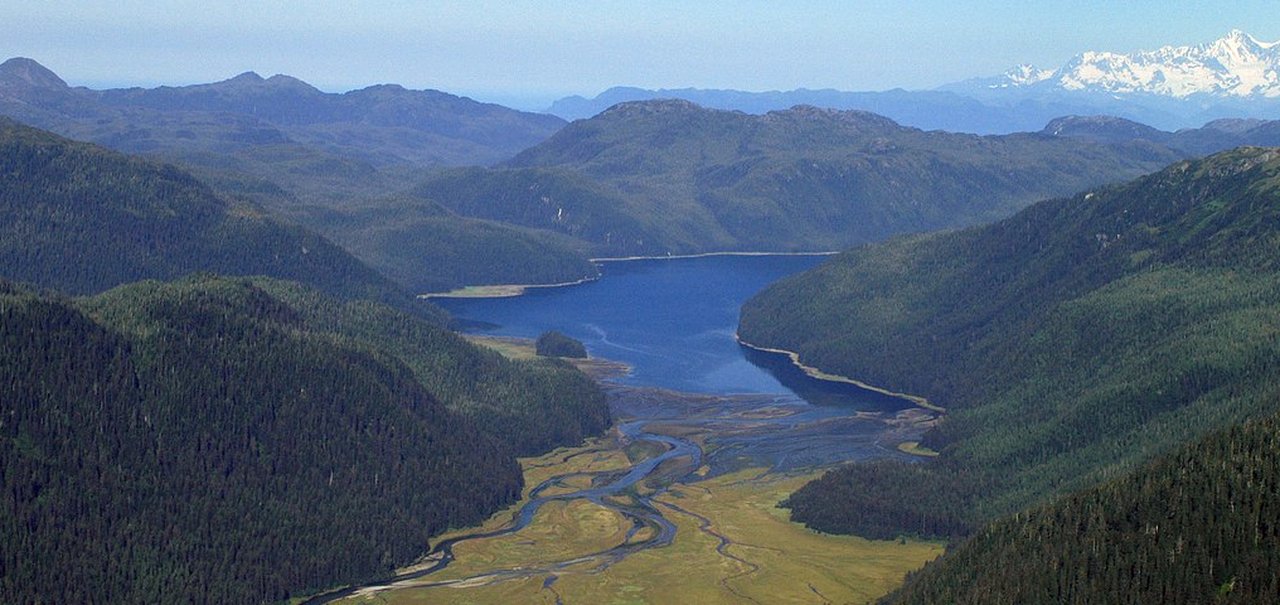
{"type": "Point", "coordinates": [528, 407]}
{"type": "Point", "coordinates": [80, 219]}
{"type": "Point", "coordinates": [322, 160]}
{"type": "Point", "coordinates": [1198, 526]}
{"type": "Point", "coordinates": [668, 176]}
{"type": "Point", "coordinates": [193, 442]}
{"type": "Point", "coordinates": [1069, 342]}
{"type": "Point", "coordinates": [217, 440]}
{"type": "Point", "coordinates": [427, 248]}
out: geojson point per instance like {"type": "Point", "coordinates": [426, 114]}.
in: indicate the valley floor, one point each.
{"type": "Point", "coordinates": [677, 505]}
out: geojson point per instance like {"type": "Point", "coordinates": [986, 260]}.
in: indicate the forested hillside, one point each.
{"type": "Point", "coordinates": [1069, 342]}
{"type": "Point", "coordinates": [195, 443]}
{"type": "Point", "coordinates": [528, 407]}
{"type": "Point", "coordinates": [80, 219]}
{"type": "Point", "coordinates": [1197, 526]}
{"type": "Point", "coordinates": [213, 440]}
{"type": "Point", "coordinates": [322, 160]}
{"type": "Point", "coordinates": [427, 248]}
{"type": "Point", "coordinates": [667, 176]}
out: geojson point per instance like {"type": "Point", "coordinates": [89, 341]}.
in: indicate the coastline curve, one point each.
{"type": "Point", "coordinates": [817, 373]}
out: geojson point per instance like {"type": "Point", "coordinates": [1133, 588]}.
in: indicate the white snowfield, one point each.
{"type": "Point", "coordinates": [1237, 65]}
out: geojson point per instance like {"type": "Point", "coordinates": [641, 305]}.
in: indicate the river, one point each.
{"type": "Point", "coordinates": [707, 404]}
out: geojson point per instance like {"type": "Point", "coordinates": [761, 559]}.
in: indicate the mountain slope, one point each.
{"type": "Point", "coordinates": [141, 417]}
{"type": "Point", "coordinates": [322, 160]}
{"type": "Point", "coordinates": [147, 460]}
{"type": "Point", "coordinates": [660, 177]}
{"type": "Point", "coordinates": [82, 219]}
{"type": "Point", "coordinates": [527, 407]}
{"type": "Point", "coordinates": [428, 248]}
{"type": "Point", "coordinates": [1196, 526]}
{"type": "Point", "coordinates": [1068, 342]}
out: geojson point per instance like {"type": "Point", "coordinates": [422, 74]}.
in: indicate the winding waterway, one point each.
{"type": "Point", "coordinates": [706, 404]}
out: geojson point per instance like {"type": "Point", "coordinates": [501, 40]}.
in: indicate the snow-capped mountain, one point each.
{"type": "Point", "coordinates": [1237, 65]}
{"type": "Point", "coordinates": [1022, 75]}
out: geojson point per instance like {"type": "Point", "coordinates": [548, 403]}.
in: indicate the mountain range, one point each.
{"type": "Point", "coordinates": [377, 125]}
{"type": "Point", "coordinates": [1236, 65]}
{"type": "Point", "coordinates": [1218, 135]}
{"type": "Point", "coordinates": [650, 177]}
{"type": "Point", "coordinates": [332, 162]}
{"type": "Point", "coordinates": [1170, 88]}
{"type": "Point", "coordinates": [671, 177]}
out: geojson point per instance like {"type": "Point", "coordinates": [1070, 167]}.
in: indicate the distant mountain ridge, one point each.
{"type": "Point", "coordinates": [332, 162]}
{"type": "Point", "coordinates": [671, 177]}
{"type": "Point", "coordinates": [1236, 65]}
{"type": "Point", "coordinates": [930, 110]}
{"type": "Point", "coordinates": [382, 124]}
{"type": "Point", "coordinates": [1170, 88]}
{"type": "Point", "coordinates": [1218, 135]}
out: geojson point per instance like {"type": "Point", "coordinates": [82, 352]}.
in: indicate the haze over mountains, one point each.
{"type": "Point", "coordinates": [670, 177]}
{"type": "Point", "coordinates": [655, 177]}
{"type": "Point", "coordinates": [379, 125]}
{"type": "Point", "coordinates": [1171, 88]}
{"type": "Point", "coordinates": [1236, 65]}
{"type": "Point", "coordinates": [215, 383]}
{"type": "Point", "coordinates": [366, 169]}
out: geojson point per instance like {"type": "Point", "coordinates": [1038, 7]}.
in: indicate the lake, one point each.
{"type": "Point", "coordinates": [673, 321]}
{"type": "Point", "coordinates": [695, 410]}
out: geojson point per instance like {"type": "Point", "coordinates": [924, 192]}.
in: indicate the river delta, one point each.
{"type": "Point", "coordinates": [678, 503]}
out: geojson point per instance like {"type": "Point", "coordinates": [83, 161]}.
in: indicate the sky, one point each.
{"type": "Point", "coordinates": [526, 54]}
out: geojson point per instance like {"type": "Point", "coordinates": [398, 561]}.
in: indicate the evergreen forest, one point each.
{"type": "Point", "coordinates": [1069, 344]}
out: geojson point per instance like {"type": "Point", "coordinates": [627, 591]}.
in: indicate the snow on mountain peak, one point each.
{"type": "Point", "coordinates": [1236, 65]}
{"type": "Point", "coordinates": [1026, 73]}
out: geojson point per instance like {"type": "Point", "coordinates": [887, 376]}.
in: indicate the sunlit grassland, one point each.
{"type": "Point", "coordinates": [512, 348]}
{"type": "Point", "coordinates": [770, 559]}
{"type": "Point", "coordinates": [914, 448]}
{"type": "Point", "coordinates": [765, 558]}
{"type": "Point", "coordinates": [560, 531]}
{"type": "Point", "coordinates": [502, 291]}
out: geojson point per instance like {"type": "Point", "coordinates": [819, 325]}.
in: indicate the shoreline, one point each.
{"type": "Point", "coordinates": [813, 372]}
{"type": "Point", "coordinates": [502, 290]}
{"type": "Point", "coordinates": [513, 290]}
{"type": "Point", "coordinates": [615, 259]}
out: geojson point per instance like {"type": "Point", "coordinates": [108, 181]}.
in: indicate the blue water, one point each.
{"type": "Point", "coordinates": [673, 321]}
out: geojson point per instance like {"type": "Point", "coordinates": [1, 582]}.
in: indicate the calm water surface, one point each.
{"type": "Point", "coordinates": [672, 321]}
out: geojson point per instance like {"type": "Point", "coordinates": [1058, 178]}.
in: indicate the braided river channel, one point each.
{"type": "Point", "coordinates": [690, 405]}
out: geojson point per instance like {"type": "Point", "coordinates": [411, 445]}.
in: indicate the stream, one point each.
{"type": "Point", "coordinates": [772, 432]}
{"type": "Point", "coordinates": [690, 389]}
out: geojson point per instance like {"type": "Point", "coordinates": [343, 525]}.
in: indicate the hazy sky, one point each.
{"type": "Point", "coordinates": [528, 53]}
